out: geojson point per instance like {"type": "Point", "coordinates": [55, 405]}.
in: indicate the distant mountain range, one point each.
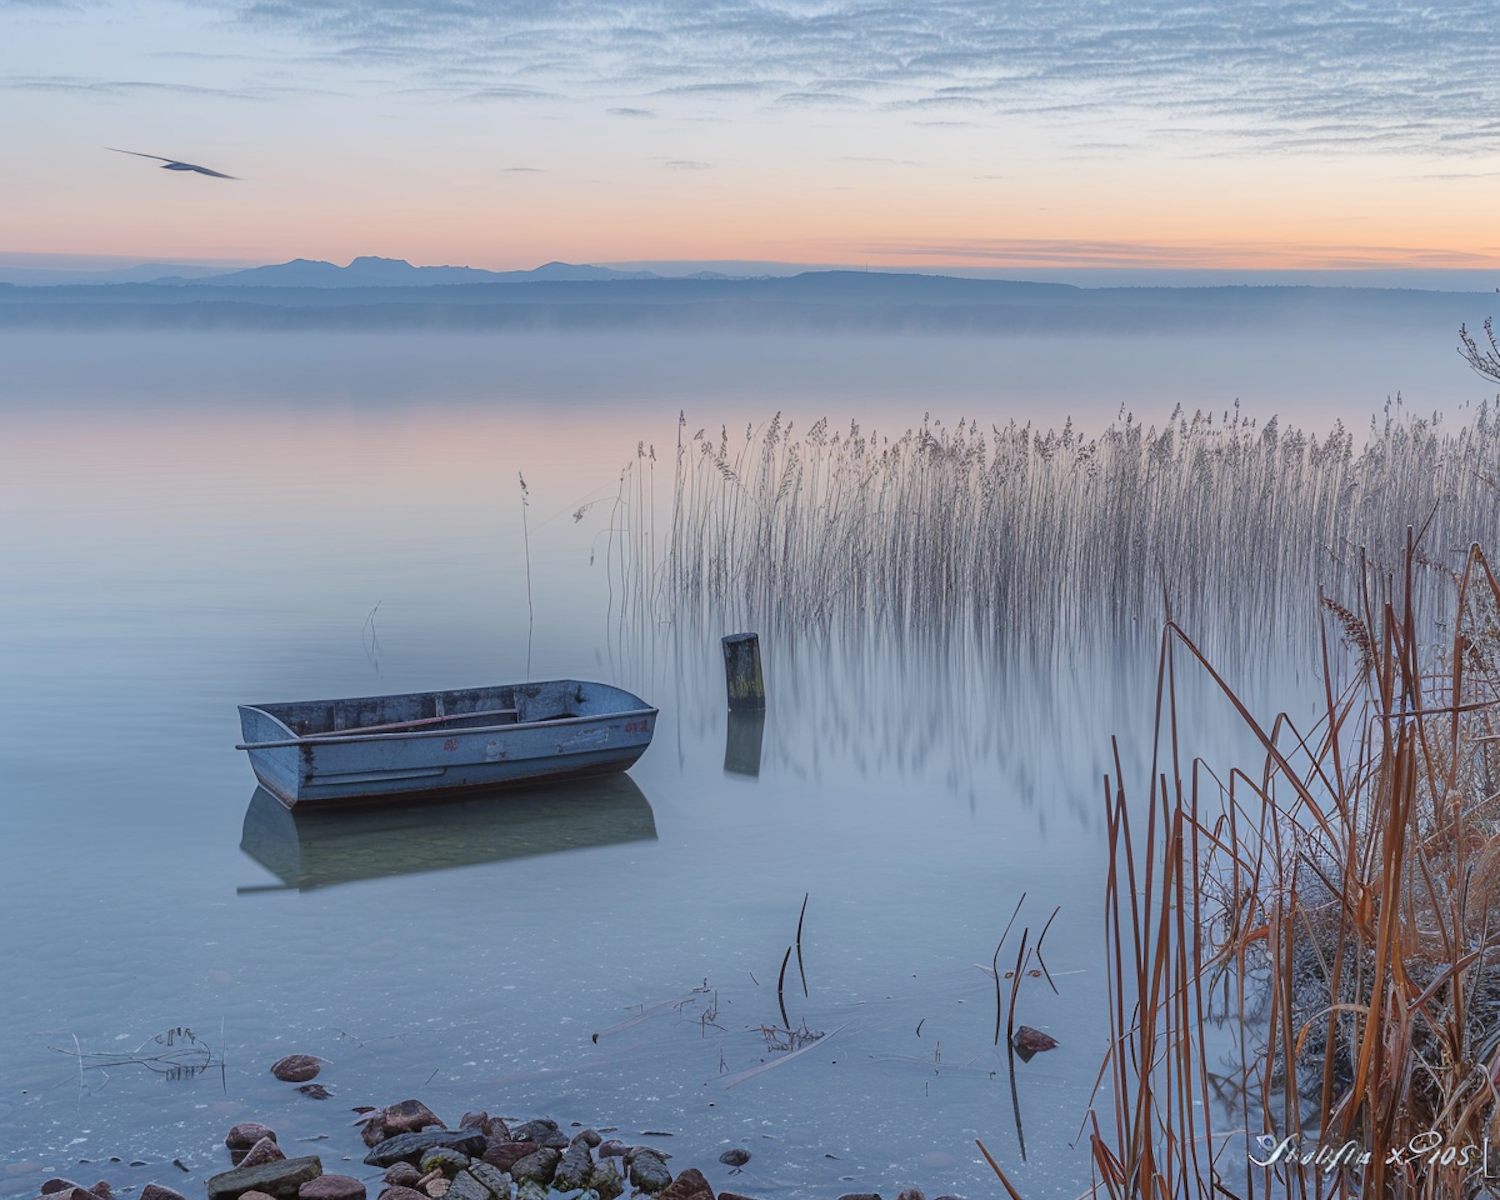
{"type": "Point", "coordinates": [371, 271]}
{"type": "Point", "coordinates": [389, 294]}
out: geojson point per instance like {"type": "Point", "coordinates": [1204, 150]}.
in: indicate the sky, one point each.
{"type": "Point", "coordinates": [1264, 134]}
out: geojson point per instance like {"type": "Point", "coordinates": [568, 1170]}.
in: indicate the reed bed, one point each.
{"type": "Point", "coordinates": [1037, 535]}
{"type": "Point", "coordinates": [1340, 905]}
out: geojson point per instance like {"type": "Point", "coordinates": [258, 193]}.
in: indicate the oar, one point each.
{"type": "Point", "coordinates": [389, 727]}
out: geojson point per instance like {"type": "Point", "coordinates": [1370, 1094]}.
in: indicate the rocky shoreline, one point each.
{"type": "Point", "coordinates": [415, 1156]}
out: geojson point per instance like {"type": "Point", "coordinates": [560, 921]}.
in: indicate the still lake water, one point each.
{"type": "Point", "coordinates": [196, 521]}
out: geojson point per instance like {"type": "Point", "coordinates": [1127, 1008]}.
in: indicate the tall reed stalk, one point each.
{"type": "Point", "coordinates": [1034, 535]}
{"type": "Point", "coordinates": [1347, 890]}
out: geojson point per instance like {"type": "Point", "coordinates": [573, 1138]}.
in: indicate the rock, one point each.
{"type": "Point", "coordinates": [439, 1187]}
{"type": "Point", "coordinates": [399, 1191]}
{"type": "Point", "coordinates": [449, 1162]}
{"type": "Point", "coordinates": [255, 1196]}
{"type": "Point", "coordinates": [648, 1170]}
{"type": "Point", "coordinates": [466, 1187]}
{"type": "Point", "coordinates": [264, 1151]}
{"type": "Point", "coordinates": [497, 1131]}
{"type": "Point", "coordinates": [690, 1185]}
{"type": "Point", "coordinates": [278, 1179]}
{"type": "Point", "coordinates": [496, 1181]}
{"type": "Point", "coordinates": [315, 1091]}
{"type": "Point", "coordinates": [861, 1196]}
{"type": "Point", "coordinates": [403, 1174]}
{"type": "Point", "coordinates": [506, 1154]}
{"type": "Point", "coordinates": [605, 1181]}
{"type": "Point", "coordinates": [246, 1134]}
{"type": "Point", "coordinates": [733, 1196]}
{"type": "Point", "coordinates": [540, 1165]}
{"type": "Point", "coordinates": [409, 1116]}
{"type": "Point", "coordinates": [589, 1137]}
{"type": "Point", "coordinates": [613, 1148]}
{"type": "Point", "coordinates": [332, 1187]}
{"type": "Point", "coordinates": [101, 1189]}
{"type": "Point", "coordinates": [576, 1166]}
{"type": "Point", "coordinates": [296, 1068]}
{"type": "Point", "coordinates": [735, 1157]}
{"type": "Point", "coordinates": [471, 1120]}
{"type": "Point", "coordinates": [411, 1146]}
{"type": "Point", "coordinates": [544, 1132]}
{"type": "Point", "coordinates": [912, 1193]}
{"type": "Point", "coordinates": [58, 1185]}
{"type": "Point", "coordinates": [429, 1174]}
{"type": "Point", "coordinates": [530, 1189]}
{"type": "Point", "coordinates": [155, 1191]}
{"type": "Point", "coordinates": [1029, 1041]}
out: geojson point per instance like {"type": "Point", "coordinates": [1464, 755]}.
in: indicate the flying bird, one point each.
{"type": "Point", "coordinates": [171, 164]}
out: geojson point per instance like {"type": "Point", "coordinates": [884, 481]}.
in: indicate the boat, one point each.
{"type": "Point", "coordinates": [424, 744]}
{"type": "Point", "coordinates": [308, 848]}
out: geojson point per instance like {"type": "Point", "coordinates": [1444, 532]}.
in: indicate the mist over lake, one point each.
{"type": "Point", "coordinates": [200, 518]}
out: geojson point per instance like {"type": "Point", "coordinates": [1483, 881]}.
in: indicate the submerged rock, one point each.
{"type": "Point", "coordinates": [1029, 1041]}
{"type": "Point", "coordinates": [737, 1156]}
{"type": "Point", "coordinates": [296, 1068]}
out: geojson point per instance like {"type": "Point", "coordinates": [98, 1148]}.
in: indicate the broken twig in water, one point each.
{"type": "Point", "coordinates": [741, 1076]}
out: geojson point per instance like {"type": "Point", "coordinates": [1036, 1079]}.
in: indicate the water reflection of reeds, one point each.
{"type": "Point", "coordinates": [1039, 537]}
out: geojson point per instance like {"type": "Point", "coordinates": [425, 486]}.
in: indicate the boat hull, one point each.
{"type": "Point", "coordinates": [313, 753]}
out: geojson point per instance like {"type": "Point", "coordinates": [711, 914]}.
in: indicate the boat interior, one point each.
{"type": "Point", "coordinates": [462, 708]}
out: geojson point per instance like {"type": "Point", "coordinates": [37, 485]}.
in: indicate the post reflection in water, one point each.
{"type": "Point", "coordinates": [317, 848]}
{"type": "Point", "coordinates": [743, 736]}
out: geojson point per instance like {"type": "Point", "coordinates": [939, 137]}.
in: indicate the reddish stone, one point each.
{"type": "Point", "coordinates": [155, 1191]}
{"type": "Point", "coordinates": [332, 1187]}
{"type": "Point", "coordinates": [507, 1154]}
{"type": "Point", "coordinates": [409, 1116]}
{"type": "Point", "coordinates": [397, 1192]}
{"type": "Point", "coordinates": [101, 1189]}
{"type": "Point", "coordinates": [246, 1134]}
{"type": "Point", "coordinates": [264, 1151]}
{"type": "Point", "coordinates": [689, 1185]}
{"type": "Point", "coordinates": [58, 1185]}
{"type": "Point", "coordinates": [473, 1120]}
{"type": "Point", "coordinates": [1029, 1041]}
{"type": "Point", "coordinates": [403, 1174]}
{"type": "Point", "coordinates": [296, 1068]}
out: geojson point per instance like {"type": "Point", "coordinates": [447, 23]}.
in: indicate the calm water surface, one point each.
{"type": "Point", "coordinates": [194, 522]}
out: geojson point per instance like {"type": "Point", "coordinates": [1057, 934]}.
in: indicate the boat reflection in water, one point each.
{"type": "Point", "coordinates": [316, 848]}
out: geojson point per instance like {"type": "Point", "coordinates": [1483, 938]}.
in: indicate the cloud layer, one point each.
{"type": "Point", "coordinates": [1261, 74]}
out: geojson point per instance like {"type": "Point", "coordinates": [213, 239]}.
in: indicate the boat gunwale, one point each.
{"type": "Point", "coordinates": [337, 738]}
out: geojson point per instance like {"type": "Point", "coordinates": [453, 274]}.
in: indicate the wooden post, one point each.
{"type": "Point", "coordinates": [742, 678]}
